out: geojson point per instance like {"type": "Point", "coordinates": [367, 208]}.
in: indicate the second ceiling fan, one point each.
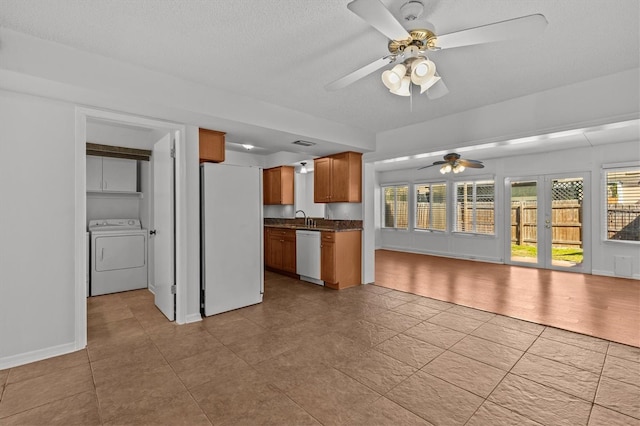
{"type": "Point", "coordinates": [408, 45]}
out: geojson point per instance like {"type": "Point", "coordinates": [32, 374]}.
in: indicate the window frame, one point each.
{"type": "Point", "coordinates": [383, 204]}
{"type": "Point", "coordinates": [430, 228]}
{"type": "Point", "coordinates": [633, 166]}
{"type": "Point", "coordinates": [454, 201]}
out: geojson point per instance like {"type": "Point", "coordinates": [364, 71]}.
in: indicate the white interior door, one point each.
{"type": "Point", "coordinates": [162, 235]}
{"type": "Point", "coordinates": [549, 222]}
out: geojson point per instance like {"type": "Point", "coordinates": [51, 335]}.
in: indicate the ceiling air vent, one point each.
{"type": "Point", "coordinates": [303, 143]}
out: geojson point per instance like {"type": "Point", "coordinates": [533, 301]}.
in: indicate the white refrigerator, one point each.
{"type": "Point", "coordinates": [231, 242]}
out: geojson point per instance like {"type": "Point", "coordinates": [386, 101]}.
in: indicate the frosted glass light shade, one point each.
{"type": "Point", "coordinates": [403, 90]}
{"type": "Point", "coordinates": [427, 84]}
{"type": "Point", "coordinates": [422, 70]}
{"type": "Point", "coordinates": [392, 78]}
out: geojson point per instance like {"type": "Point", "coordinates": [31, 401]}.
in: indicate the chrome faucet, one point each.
{"type": "Point", "coordinates": [307, 220]}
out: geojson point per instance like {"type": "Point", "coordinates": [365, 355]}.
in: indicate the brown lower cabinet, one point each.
{"type": "Point", "coordinates": [280, 249]}
{"type": "Point", "coordinates": [340, 259]}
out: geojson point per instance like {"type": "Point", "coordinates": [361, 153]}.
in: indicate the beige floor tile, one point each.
{"type": "Point", "coordinates": [576, 339]}
{"type": "Point", "coordinates": [455, 322]}
{"type": "Point", "coordinates": [99, 350]}
{"type": "Point", "coordinates": [115, 331]}
{"type": "Point", "coordinates": [540, 403]}
{"type": "Point", "coordinates": [142, 358]}
{"type": "Point", "coordinates": [494, 354]}
{"type": "Point", "coordinates": [366, 333]}
{"type": "Point", "coordinates": [517, 324]}
{"type": "Point", "coordinates": [435, 400]}
{"type": "Point", "coordinates": [629, 353]}
{"type": "Point", "coordinates": [178, 409]}
{"type": "Point", "coordinates": [619, 396]}
{"type": "Point", "coordinates": [434, 304]}
{"type": "Point", "coordinates": [384, 301]}
{"type": "Point", "coordinates": [413, 352]}
{"type": "Point", "coordinates": [291, 369]}
{"type": "Point", "coordinates": [80, 409]}
{"type": "Point", "coordinates": [505, 336]}
{"type": "Point", "coordinates": [104, 316]}
{"type": "Point", "coordinates": [417, 311]}
{"type": "Point", "coordinates": [601, 416]}
{"type": "Point", "coordinates": [376, 370]}
{"type": "Point", "coordinates": [563, 377]}
{"type": "Point", "coordinates": [32, 393]}
{"type": "Point", "coordinates": [118, 391]}
{"type": "Point", "coordinates": [475, 314]}
{"type": "Point", "coordinates": [434, 334]}
{"type": "Point", "coordinates": [333, 347]}
{"type": "Point", "coordinates": [261, 347]}
{"type": "Point", "coordinates": [233, 395]}
{"type": "Point", "coordinates": [206, 366]}
{"type": "Point", "coordinates": [167, 329]}
{"type": "Point", "coordinates": [490, 414]}
{"type": "Point", "coordinates": [233, 331]}
{"type": "Point", "coordinates": [51, 365]}
{"type": "Point", "coordinates": [471, 375]}
{"type": "Point", "coordinates": [568, 354]}
{"type": "Point", "coordinates": [383, 412]}
{"type": "Point", "coordinates": [104, 302]}
{"type": "Point", "coordinates": [392, 320]}
{"type": "Point", "coordinates": [275, 411]}
{"type": "Point", "coordinates": [406, 297]}
{"type": "Point", "coordinates": [622, 369]}
{"type": "Point", "coordinates": [330, 396]}
{"type": "Point", "coordinates": [269, 318]}
{"type": "Point", "coordinates": [178, 347]}
{"type": "Point", "coordinates": [376, 289]}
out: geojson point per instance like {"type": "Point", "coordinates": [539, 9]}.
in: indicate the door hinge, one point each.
{"type": "Point", "coordinates": [173, 289]}
{"type": "Point", "coordinates": [173, 153]}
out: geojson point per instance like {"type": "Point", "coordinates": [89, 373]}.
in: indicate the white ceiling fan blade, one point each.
{"type": "Point", "coordinates": [360, 73]}
{"type": "Point", "coordinates": [524, 26]}
{"type": "Point", "coordinates": [378, 16]}
{"type": "Point", "coordinates": [438, 90]}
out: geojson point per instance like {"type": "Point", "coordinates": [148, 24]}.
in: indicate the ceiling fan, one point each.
{"type": "Point", "coordinates": [453, 163]}
{"type": "Point", "coordinates": [409, 44]}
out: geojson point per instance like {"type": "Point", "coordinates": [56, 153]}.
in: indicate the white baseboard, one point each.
{"type": "Point", "coordinates": [193, 318]}
{"type": "Point", "coordinates": [38, 355]}
{"type": "Point", "coordinates": [611, 274]}
{"type": "Point", "coordinates": [443, 254]}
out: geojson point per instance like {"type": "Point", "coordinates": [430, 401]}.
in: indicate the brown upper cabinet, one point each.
{"type": "Point", "coordinates": [211, 146]}
{"type": "Point", "coordinates": [278, 185]}
{"type": "Point", "coordinates": [338, 178]}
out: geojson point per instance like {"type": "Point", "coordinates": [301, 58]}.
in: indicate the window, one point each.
{"type": "Point", "coordinates": [395, 213]}
{"type": "Point", "coordinates": [475, 207]}
{"type": "Point", "coordinates": [431, 206]}
{"type": "Point", "coordinates": [623, 204]}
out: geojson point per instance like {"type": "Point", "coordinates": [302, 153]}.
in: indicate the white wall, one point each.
{"type": "Point", "coordinates": [37, 228]}
{"type": "Point", "coordinates": [304, 188]}
{"type": "Point", "coordinates": [491, 248]}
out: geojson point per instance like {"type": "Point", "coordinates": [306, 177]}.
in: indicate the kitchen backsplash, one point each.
{"type": "Point", "coordinates": [321, 223]}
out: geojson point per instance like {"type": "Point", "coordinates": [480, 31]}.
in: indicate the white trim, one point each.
{"type": "Point", "coordinates": [80, 246]}
{"type": "Point", "coordinates": [624, 165]}
{"type": "Point", "coordinates": [441, 254]}
{"type": "Point", "coordinates": [613, 275]}
{"type": "Point", "coordinates": [193, 318]}
{"type": "Point", "coordinates": [37, 355]}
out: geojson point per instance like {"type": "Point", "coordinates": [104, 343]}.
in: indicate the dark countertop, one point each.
{"type": "Point", "coordinates": [319, 224]}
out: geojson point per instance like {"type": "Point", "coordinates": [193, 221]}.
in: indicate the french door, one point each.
{"type": "Point", "coordinates": [549, 225]}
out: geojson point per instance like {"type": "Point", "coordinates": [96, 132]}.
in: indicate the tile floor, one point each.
{"type": "Point", "coordinates": [307, 356]}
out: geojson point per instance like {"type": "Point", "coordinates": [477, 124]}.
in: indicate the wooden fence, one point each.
{"type": "Point", "coordinates": [565, 222]}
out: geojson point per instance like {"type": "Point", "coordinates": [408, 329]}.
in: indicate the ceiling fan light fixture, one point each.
{"type": "Point", "coordinates": [446, 168]}
{"type": "Point", "coordinates": [391, 80]}
{"type": "Point", "coordinates": [422, 71]}
{"type": "Point", "coordinates": [403, 90]}
{"type": "Point", "coordinates": [427, 85]}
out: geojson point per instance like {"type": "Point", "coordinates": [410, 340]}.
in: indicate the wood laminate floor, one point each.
{"type": "Point", "coordinates": [598, 306]}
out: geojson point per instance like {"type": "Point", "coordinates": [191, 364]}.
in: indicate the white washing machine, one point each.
{"type": "Point", "coordinates": [118, 255]}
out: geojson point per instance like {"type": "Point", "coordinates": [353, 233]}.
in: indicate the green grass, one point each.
{"type": "Point", "coordinates": [570, 254]}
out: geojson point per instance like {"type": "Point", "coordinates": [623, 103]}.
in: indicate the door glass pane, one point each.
{"type": "Point", "coordinates": [524, 223]}
{"type": "Point", "coordinates": [566, 222]}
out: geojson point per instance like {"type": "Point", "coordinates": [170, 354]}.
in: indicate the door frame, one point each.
{"type": "Point", "coordinates": [544, 204]}
{"type": "Point", "coordinates": [180, 188]}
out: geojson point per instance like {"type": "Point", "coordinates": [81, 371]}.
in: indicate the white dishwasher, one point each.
{"type": "Point", "coordinates": [308, 256]}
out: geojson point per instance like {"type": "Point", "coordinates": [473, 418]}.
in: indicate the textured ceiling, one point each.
{"type": "Point", "coordinates": [285, 51]}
